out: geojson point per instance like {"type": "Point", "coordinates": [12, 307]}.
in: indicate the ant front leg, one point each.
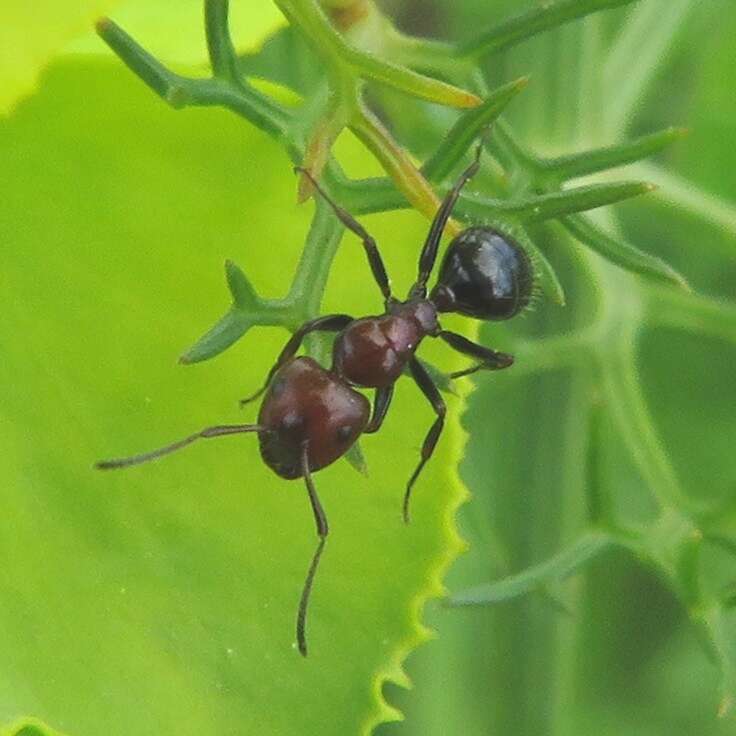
{"type": "Point", "coordinates": [320, 520]}
{"type": "Point", "coordinates": [490, 360]}
{"type": "Point", "coordinates": [380, 407]}
{"type": "Point", "coordinates": [328, 323]}
{"type": "Point", "coordinates": [371, 249]}
{"type": "Point", "coordinates": [425, 383]}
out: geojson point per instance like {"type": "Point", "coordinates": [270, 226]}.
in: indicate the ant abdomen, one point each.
{"type": "Point", "coordinates": [484, 274]}
{"type": "Point", "coordinates": [307, 405]}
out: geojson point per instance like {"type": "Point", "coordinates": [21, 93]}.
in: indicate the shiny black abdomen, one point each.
{"type": "Point", "coordinates": [484, 274]}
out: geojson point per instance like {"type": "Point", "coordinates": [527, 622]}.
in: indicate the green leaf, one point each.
{"type": "Point", "coordinates": [557, 568]}
{"type": "Point", "coordinates": [356, 458]}
{"type": "Point", "coordinates": [224, 333]}
{"type": "Point", "coordinates": [36, 32]}
{"type": "Point", "coordinates": [622, 253]}
{"type": "Point", "coordinates": [176, 584]}
{"type": "Point", "coordinates": [600, 159]}
{"type": "Point", "coordinates": [244, 295]}
{"type": "Point", "coordinates": [31, 34]}
{"type": "Point", "coordinates": [247, 310]}
{"type": "Point", "coordinates": [28, 727]}
{"type": "Point", "coordinates": [534, 21]}
{"type": "Point", "coordinates": [575, 199]}
{"type": "Point", "coordinates": [418, 85]}
{"type": "Point", "coordinates": [467, 129]}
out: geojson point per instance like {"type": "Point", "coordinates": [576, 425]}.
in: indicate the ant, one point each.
{"type": "Point", "coordinates": [311, 416]}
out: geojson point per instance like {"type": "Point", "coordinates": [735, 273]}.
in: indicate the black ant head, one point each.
{"type": "Point", "coordinates": [485, 275]}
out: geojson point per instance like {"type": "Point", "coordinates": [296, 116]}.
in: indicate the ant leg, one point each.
{"type": "Point", "coordinates": [380, 407]}
{"type": "Point", "coordinates": [371, 249]}
{"type": "Point", "coordinates": [328, 323]}
{"type": "Point", "coordinates": [218, 431]}
{"type": "Point", "coordinates": [490, 360]}
{"type": "Point", "coordinates": [320, 520]}
{"type": "Point", "coordinates": [428, 255]}
{"type": "Point", "coordinates": [425, 383]}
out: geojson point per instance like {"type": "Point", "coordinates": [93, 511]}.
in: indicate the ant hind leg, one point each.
{"type": "Point", "coordinates": [320, 520]}
{"type": "Point", "coordinates": [490, 360]}
{"type": "Point", "coordinates": [328, 323]}
{"type": "Point", "coordinates": [428, 388]}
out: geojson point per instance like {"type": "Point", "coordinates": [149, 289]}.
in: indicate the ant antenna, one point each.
{"type": "Point", "coordinates": [217, 431]}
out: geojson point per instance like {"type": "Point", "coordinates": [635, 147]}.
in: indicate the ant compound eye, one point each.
{"type": "Point", "coordinates": [484, 274]}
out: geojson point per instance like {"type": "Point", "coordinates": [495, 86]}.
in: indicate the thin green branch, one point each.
{"type": "Point", "coordinates": [322, 137]}
{"type": "Point", "coordinates": [680, 192]}
{"type": "Point", "coordinates": [695, 313]}
{"type": "Point", "coordinates": [301, 303]}
{"type": "Point", "coordinates": [244, 295]}
{"type": "Point", "coordinates": [314, 264]}
{"type": "Point", "coordinates": [413, 83]}
{"type": "Point", "coordinates": [512, 155]}
{"type": "Point", "coordinates": [395, 160]}
{"type": "Point", "coordinates": [720, 623]}
{"type": "Point", "coordinates": [623, 397]}
{"type": "Point", "coordinates": [601, 159]}
{"type": "Point", "coordinates": [222, 54]}
{"type": "Point", "coordinates": [557, 204]}
{"type": "Point", "coordinates": [599, 499]}
{"type": "Point", "coordinates": [367, 196]}
{"type": "Point", "coordinates": [467, 128]}
{"type": "Point", "coordinates": [315, 25]}
{"type": "Point", "coordinates": [247, 310]}
{"type": "Point", "coordinates": [180, 91]}
{"type": "Point", "coordinates": [687, 569]}
{"type": "Point", "coordinates": [565, 563]}
{"type": "Point", "coordinates": [620, 252]}
{"type": "Point", "coordinates": [311, 19]}
{"type": "Point", "coordinates": [161, 80]}
{"type": "Point", "coordinates": [429, 55]}
{"type": "Point", "coordinates": [537, 20]}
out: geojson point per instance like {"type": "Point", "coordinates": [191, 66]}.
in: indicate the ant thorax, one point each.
{"type": "Point", "coordinates": [373, 352]}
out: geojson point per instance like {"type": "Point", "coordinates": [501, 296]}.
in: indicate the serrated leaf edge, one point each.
{"type": "Point", "coordinates": [454, 545]}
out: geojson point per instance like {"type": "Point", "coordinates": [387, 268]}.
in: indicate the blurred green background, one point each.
{"type": "Point", "coordinates": [163, 601]}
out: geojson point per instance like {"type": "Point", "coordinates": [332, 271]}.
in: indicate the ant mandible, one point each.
{"type": "Point", "coordinates": [311, 416]}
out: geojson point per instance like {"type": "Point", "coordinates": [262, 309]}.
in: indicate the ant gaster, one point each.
{"type": "Point", "coordinates": [311, 416]}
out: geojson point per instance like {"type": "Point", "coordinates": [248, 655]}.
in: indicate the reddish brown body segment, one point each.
{"type": "Point", "coordinates": [373, 351]}
{"type": "Point", "coordinates": [306, 403]}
